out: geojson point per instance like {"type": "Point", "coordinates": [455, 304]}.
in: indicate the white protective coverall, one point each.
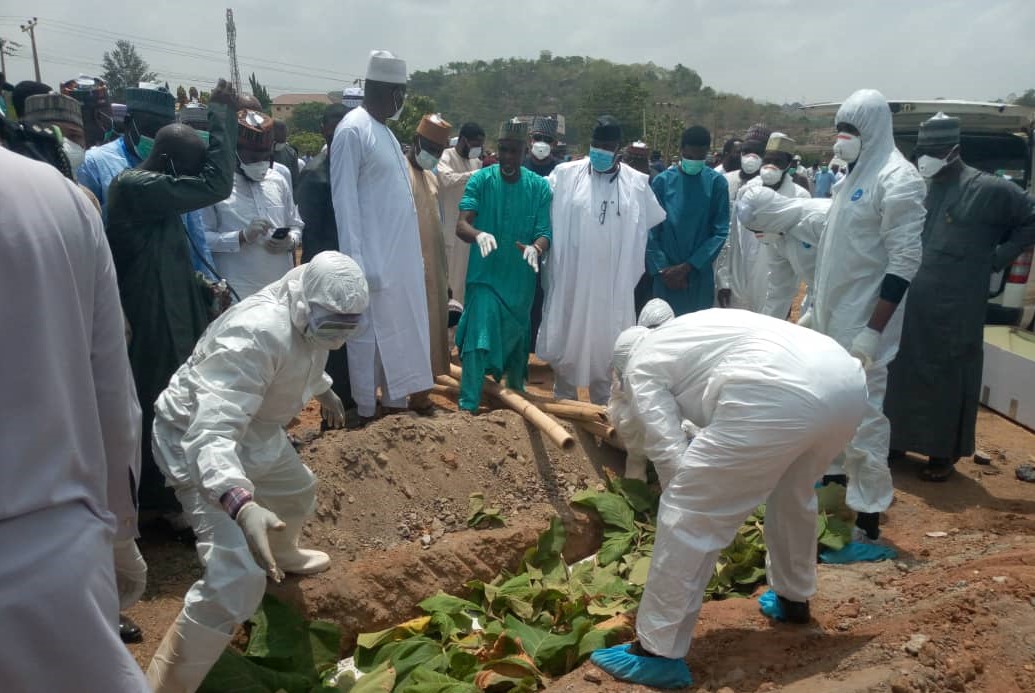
{"type": "Point", "coordinates": [69, 440]}
{"type": "Point", "coordinates": [791, 229]}
{"type": "Point", "coordinates": [377, 226]}
{"type": "Point", "coordinates": [741, 265]}
{"type": "Point", "coordinates": [873, 229]}
{"type": "Point", "coordinates": [220, 426]}
{"type": "Point", "coordinates": [775, 403]}
{"type": "Point", "coordinates": [591, 271]}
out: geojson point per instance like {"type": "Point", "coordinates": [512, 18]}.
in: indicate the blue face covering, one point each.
{"type": "Point", "coordinates": [601, 159]}
{"type": "Point", "coordinates": [692, 167]}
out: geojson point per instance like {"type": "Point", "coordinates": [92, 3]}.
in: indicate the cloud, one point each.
{"type": "Point", "coordinates": [782, 50]}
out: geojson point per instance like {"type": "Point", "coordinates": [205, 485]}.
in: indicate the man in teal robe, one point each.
{"type": "Point", "coordinates": [682, 249]}
{"type": "Point", "coordinates": [505, 216]}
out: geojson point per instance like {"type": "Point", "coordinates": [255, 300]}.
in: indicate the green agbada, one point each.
{"type": "Point", "coordinates": [165, 305]}
{"type": "Point", "coordinates": [493, 332]}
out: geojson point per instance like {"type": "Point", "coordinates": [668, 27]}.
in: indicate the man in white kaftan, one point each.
{"type": "Point", "coordinates": [69, 440]}
{"type": "Point", "coordinates": [454, 170]}
{"type": "Point", "coordinates": [601, 213]}
{"type": "Point", "coordinates": [377, 227]}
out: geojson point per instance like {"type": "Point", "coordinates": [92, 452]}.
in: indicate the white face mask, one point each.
{"type": "Point", "coordinates": [771, 175]}
{"type": "Point", "coordinates": [474, 153]}
{"type": "Point", "coordinates": [398, 113]}
{"type": "Point", "coordinates": [930, 166]}
{"type": "Point", "coordinates": [74, 152]}
{"type": "Point", "coordinates": [541, 150]}
{"type": "Point", "coordinates": [847, 147]}
{"type": "Point", "coordinates": [750, 163]}
{"type": "Point", "coordinates": [426, 161]}
{"type": "Point", "coordinates": [255, 172]}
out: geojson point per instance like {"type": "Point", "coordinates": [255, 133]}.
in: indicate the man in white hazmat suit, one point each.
{"type": "Point", "coordinates": [69, 440]}
{"type": "Point", "coordinates": [601, 212]}
{"type": "Point", "coordinates": [220, 442]}
{"type": "Point", "coordinates": [775, 403]}
{"type": "Point", "coordinates": [630, 429]}
{"type": "Point", "coordinates": [868, 254]}
{"type": "Point", "coordinates": [790, 228]}
{"type": "Point", "coordinates": [737, 283]}
{"type": "Point", "coordinates": [377, 226]}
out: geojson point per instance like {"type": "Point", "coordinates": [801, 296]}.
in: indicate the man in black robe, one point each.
{"type": "Point", "coordinates": [976, 223]}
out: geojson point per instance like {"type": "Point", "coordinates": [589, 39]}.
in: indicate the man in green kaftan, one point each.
{"type": "Point", "coordinates": [505, 216]}
{"type": "Point", "coordinates": [166, 306]}
{"type": "Point", "coordinates": [976, 223]}
{"type": "Point", "coordinates": [682, 249]}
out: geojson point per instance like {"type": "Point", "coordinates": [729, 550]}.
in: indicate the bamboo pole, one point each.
{"type": "Point", "coordinates": [550, 428]}
{"type": "Point", "coordinates": [566, 411]}
{"type": "Point", "coordinates": [606, 433]}
{"type": "Point", "coordinates": [445, 391]}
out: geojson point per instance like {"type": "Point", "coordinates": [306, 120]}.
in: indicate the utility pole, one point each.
{"type": "Point", "coordinates": [30, 28]}
{"type": "Point", "coordinates": [231, 50]}
{"type": "Point", "coordinates": [7, 47]}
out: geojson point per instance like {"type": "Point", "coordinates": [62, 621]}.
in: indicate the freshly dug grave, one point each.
{"type": "Point", "coordinates": [392, 508]}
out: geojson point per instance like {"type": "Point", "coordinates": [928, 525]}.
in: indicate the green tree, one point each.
{"type": "Point", "coordinates": [1026, 99]}
{"type": "Point", "coordinates": [415, 108]}
{"type": "Point", "coordinates": [307, 117]}
{"type": "Point", "coordinates": [626, 100]}
{"type": "Point", "coordinates": [123, 67]}
{"type": "Point", "coordinates": [306, 143]}
{"type": "Point", "coordinates": [181, 95]}
{"type": "Point", "coordinates": [260, 93]}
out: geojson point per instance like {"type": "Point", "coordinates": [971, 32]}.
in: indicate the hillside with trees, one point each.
{"type": "Point", "coordinates": [652, 103]}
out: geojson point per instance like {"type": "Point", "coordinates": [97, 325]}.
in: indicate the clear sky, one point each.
{"type": "Point", "coordinates": [774, 50]}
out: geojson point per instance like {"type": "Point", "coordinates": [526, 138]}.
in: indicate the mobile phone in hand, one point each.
{"type": "Point", "coordinates": [281, 232]}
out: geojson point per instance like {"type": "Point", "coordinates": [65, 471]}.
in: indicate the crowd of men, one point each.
{"type": "Point", "coordinates": [187, 334]}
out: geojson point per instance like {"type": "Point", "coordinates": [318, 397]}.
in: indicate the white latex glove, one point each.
{"type": "Point", "coordinates": [531, 256]}
{"type": "Point", "coordinates": [256, 521]}
{"type": "Point", "coordinates": [332, 410]}
{"type": "Point", "coordinates": [806, 320]}
{"type": "Point", "coordinates": [635, 467]}
{"type": "Point", "coordinates": [256, 230]}
{"type": "Point", "coordinates": [278, 246]}
{"type": "Point", "coordinates": [486, 243]}
{"type": "Point", "coordinates": [130, 573]}
{"type": "Point", "coordinates": [864, 346]}
{"type": "Point", "coordinates": [690, 429]}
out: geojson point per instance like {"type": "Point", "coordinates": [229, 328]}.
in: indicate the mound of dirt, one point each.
{"type": "Point", "coordinates": [408, 478]}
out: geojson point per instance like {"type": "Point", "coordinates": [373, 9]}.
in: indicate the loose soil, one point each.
{"type": "Point", "coordinates": [392, 508]}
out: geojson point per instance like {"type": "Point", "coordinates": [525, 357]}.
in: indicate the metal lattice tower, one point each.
{"type": "Point", "coordinates": [231, 50]}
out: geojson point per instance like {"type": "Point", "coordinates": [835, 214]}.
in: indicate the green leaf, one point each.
{"type": "Point", "coordinates": [559, 653]}
{"type": "Point", "coordinates": [640, 570]}
{"type": "Point", "coordinates": [403, 655]}
{"type": "Point", "coordinates": [546, 556]}
{"type": "Point", "coordinates": [235, 673]}
{"type": "Point", "coordinates": [424, 681]}
{"type": "Point", "coordinates": [448, 604]}
{"type": "Point", "coordinates": [372, 641]}
{"type": "Point", "coordinates": [615, 546]}
{"type": "Point", "coordinates": [380, 680]}
{"type": "Point", "coordinates": [638, 494]}
{"type": "Point", "coordinates": [479, 515]}
{"type": "Point", "coordinates": [283, 640]}
{"type": "Point", "coordinates": [613, 509]}
{"type": "Point", "coordinates": [527, 638]}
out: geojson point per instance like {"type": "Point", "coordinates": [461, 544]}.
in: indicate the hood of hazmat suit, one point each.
{"type": "Point", "coordinates": [873, 228]}
{"type": "Point", "coordinates": [251, 372]}
{"type": "Point", "coordinates": [625, 344]}
{"type": "Point", "coordinates": [656, 312]}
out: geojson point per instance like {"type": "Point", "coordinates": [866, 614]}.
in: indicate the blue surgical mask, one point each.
{"type": "Point", "coordinates": [692, 167]}
{"type": "Point", "coordinates": [601, 159]}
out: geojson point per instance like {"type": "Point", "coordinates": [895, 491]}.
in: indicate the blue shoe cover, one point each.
{"type": "Point", "coordinates": [855, 552]}
{"type": "Point", "coordinates": [769, 605]}
{"type": "Point", "coordinates": [657, 672]}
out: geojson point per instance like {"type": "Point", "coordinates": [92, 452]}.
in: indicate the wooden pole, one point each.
{"type": "Point", "coordinates": [550, 428]}
{"type": "Point", "coordinates": [567, 411]}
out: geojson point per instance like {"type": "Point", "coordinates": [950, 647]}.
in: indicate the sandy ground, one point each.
{"type": "Point", "coordinates": [393, 502]}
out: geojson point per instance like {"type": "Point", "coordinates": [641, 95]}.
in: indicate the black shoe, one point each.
{"type": "Point", "coordinates": [129, 631]}
{"type": "Point", "coordinates": [795, 612]}
{"type": "Point", "coordinates": [869, 523]}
